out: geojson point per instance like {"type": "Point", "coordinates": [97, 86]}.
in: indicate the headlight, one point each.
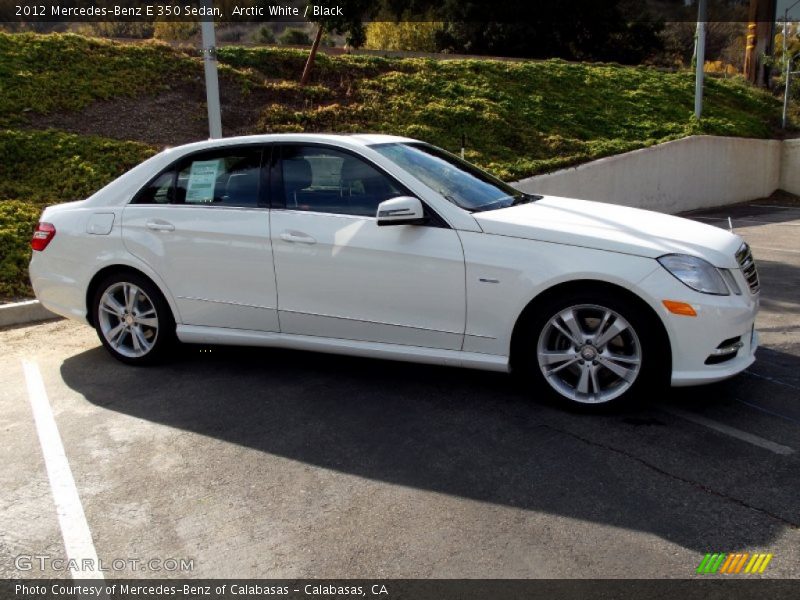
{"type": "Point", "coordinates": [698, 274]}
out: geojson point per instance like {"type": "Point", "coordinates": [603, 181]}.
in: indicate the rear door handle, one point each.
{"type": "Point", "coordinates": [297, 237]}
{"type": "Point", "coordinates": [159, 225]}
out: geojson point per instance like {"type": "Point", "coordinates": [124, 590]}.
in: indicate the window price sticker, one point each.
{"type": "Point", "coordinates": [202, 180]}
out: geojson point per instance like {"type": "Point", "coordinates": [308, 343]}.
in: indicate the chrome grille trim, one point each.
{"type": "Point", "coordinates": [745, 259]}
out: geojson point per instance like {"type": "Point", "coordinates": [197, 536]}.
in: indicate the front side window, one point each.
{"type": "Point", "coordinates": [217, 178]}
{"type": "Point", "coordinates": [325, 180]}
{"type": "Point", "coordinates": [458, 181]}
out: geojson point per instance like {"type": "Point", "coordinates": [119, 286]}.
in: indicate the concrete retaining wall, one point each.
{"type": "Point", "coordinates": [790, 167]}
{"type": "Point", "coordinates": [691, 173]}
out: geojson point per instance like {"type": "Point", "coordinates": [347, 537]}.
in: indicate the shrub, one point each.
{"type": "Point", "coordinates": [47, 73]}
{"type": "Point", "coordinates": [175, 30]}
{"type": "Point", "coordinates": [265, 35]}
{"type": "Point", "coordinates": [520, 118]}
{"type": "Point", "coordinates": [17, 220]}
{"type": "Point", "coordinates": [118, 29]}
{"type": "Point", "coordinates": [405, 35]}
{"type": "Point", "coordinates": [720, 67]}
{"type": "Point", "coordinates": [231, 33]}
{"type": "Point", "coordinates": [59, 166]}
{"type": "Point", "coordinates": [293, 36]}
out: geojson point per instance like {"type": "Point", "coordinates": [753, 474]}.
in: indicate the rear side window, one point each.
{"type": "Point", "coordinates": [158, 191]}
{"type": "Point", "coordinates": [219, 178]}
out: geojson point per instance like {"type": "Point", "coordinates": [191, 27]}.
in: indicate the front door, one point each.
{"type": "Point", "coordinates": [339, 275]}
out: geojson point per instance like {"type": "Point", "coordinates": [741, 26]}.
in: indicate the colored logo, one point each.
{"type": "Point", "coordinates": [740, 562]}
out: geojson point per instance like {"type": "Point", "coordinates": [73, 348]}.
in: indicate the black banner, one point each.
{"type": "Point", "coordinates": [475, 11]}
{"type": "Point", "coordinates": [713, 588]}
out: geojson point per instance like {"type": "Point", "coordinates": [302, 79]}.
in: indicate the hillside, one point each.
{"type": "Point", "coordinates": [76, 111]}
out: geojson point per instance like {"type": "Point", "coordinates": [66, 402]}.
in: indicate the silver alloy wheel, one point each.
{"type": "Point", "coordinates": [128, 319]}
{"type": "Point", "coordinates": [589, 353]}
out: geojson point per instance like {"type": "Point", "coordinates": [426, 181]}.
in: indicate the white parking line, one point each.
{"type": "Point", "coordinates": [775, 249]}
{"type": "Point", "coordinates": [772, 380]}
{"type": "Point", "coordinates": [775, 206]}
{"type": "Point", "coordinates": [749, 220]}
{"type": "Point", "coordinates": [731, 431]}
{"type": "Point", "coordinates": [74, 528]}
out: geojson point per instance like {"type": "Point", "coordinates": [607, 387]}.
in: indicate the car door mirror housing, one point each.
{"type": "Point", "coordinates": [403, 210]}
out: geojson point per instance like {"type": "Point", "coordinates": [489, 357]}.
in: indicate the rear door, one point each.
{"type": "Point", "coordinates": [203, 226]}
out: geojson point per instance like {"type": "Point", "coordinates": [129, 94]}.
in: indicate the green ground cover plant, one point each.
{"type": "Point", "coordinates": [519, 118]}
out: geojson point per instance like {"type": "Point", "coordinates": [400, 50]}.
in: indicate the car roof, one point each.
{"type": "Point", "coordinates": [352, 139]}
{"type": "Point", "coordinates": [120, 190]}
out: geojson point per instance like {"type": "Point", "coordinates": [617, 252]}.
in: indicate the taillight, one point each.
{"type": "Point", "coordinates": [42, 235]}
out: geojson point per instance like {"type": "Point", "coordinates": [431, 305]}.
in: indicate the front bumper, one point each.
{"type": "Point", "coordinates": [712, 373]}
{"type": "Point", "coordinates": [695, 339]}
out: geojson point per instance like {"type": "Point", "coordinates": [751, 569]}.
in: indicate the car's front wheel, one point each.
{"type": "Point", "coordinates": [592, 348]}
{"type": "Point", "coordinates": [132, 318]}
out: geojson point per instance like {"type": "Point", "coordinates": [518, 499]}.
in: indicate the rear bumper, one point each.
{"type": "Point", "coordinates": [59, 285]}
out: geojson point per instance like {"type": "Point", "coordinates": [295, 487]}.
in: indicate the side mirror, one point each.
{"type": "Point", "coordinates": [404, 210]}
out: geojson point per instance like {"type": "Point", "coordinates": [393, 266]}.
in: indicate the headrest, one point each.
{"type": "Point", "coordinates": [356, 170]}
{"type": "Point", "coordinates": [296, 174]}
{"type": "Point", "coordinates": [244, 181]}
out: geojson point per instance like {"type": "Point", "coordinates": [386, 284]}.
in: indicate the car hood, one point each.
{"type": "Point", "coordinates": [613, 228]}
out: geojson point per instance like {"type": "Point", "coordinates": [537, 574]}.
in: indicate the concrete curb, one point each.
{"type": "Point", "coordinates": [20, 313]}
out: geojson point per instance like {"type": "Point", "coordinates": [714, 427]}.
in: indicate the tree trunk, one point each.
{"type": "Point", "coordinates": [311, 57]}
{"type": "Point", "coordinates": [760, 36]}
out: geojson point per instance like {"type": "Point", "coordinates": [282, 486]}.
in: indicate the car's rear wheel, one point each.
{"type": "Point", "coordinates": [592, 349]}
{"type": "Point", "coordinates": [132, 318]}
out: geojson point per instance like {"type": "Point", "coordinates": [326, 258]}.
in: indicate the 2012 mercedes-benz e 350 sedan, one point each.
{"type": "Point", "coordinates": [388, 247]}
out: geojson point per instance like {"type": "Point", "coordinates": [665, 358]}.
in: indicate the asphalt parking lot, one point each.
{"type": "Point", "coordinates": [262, 463]}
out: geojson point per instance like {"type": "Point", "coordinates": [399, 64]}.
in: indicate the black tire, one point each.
{"type": "Point", "coordinates": [143, 331]}
{"type": "Point", "coordinates": [540, 340]}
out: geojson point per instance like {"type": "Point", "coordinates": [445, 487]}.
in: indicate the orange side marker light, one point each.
{"type": "Point", "coordinates": [680, 308]}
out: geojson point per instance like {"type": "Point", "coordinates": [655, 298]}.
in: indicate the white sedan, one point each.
{"type": "Point", "coordinates": [388, 247]}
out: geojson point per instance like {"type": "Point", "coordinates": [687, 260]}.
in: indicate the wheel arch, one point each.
{"type": "Point", "coordinates": [586, 285]}
{"type": "Point", "coordinates": [107, 270]}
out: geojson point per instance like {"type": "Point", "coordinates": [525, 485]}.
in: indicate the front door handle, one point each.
{"type": "Point", "coordinates": [159, 225]}
{"type": "Point", "coordinates": [297, 237]}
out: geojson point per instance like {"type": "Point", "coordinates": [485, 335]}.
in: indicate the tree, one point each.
{"type": "Point", "coordinates": [342, 17]}
{"type": "Point", "coordinates": [724, 42]}
{"type": "Point", "coordinates": [792, 49]}
{"type": "Point", "coordinates": [609, 30]}
{"type": "Point", "coordinates": [761, 17]}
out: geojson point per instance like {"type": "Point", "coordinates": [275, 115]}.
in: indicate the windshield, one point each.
{"type": "Point", "coordinates": [460, 182]}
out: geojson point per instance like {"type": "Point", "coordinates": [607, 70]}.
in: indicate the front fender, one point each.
{"type": "Point", "coordinates": [503, 275]}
